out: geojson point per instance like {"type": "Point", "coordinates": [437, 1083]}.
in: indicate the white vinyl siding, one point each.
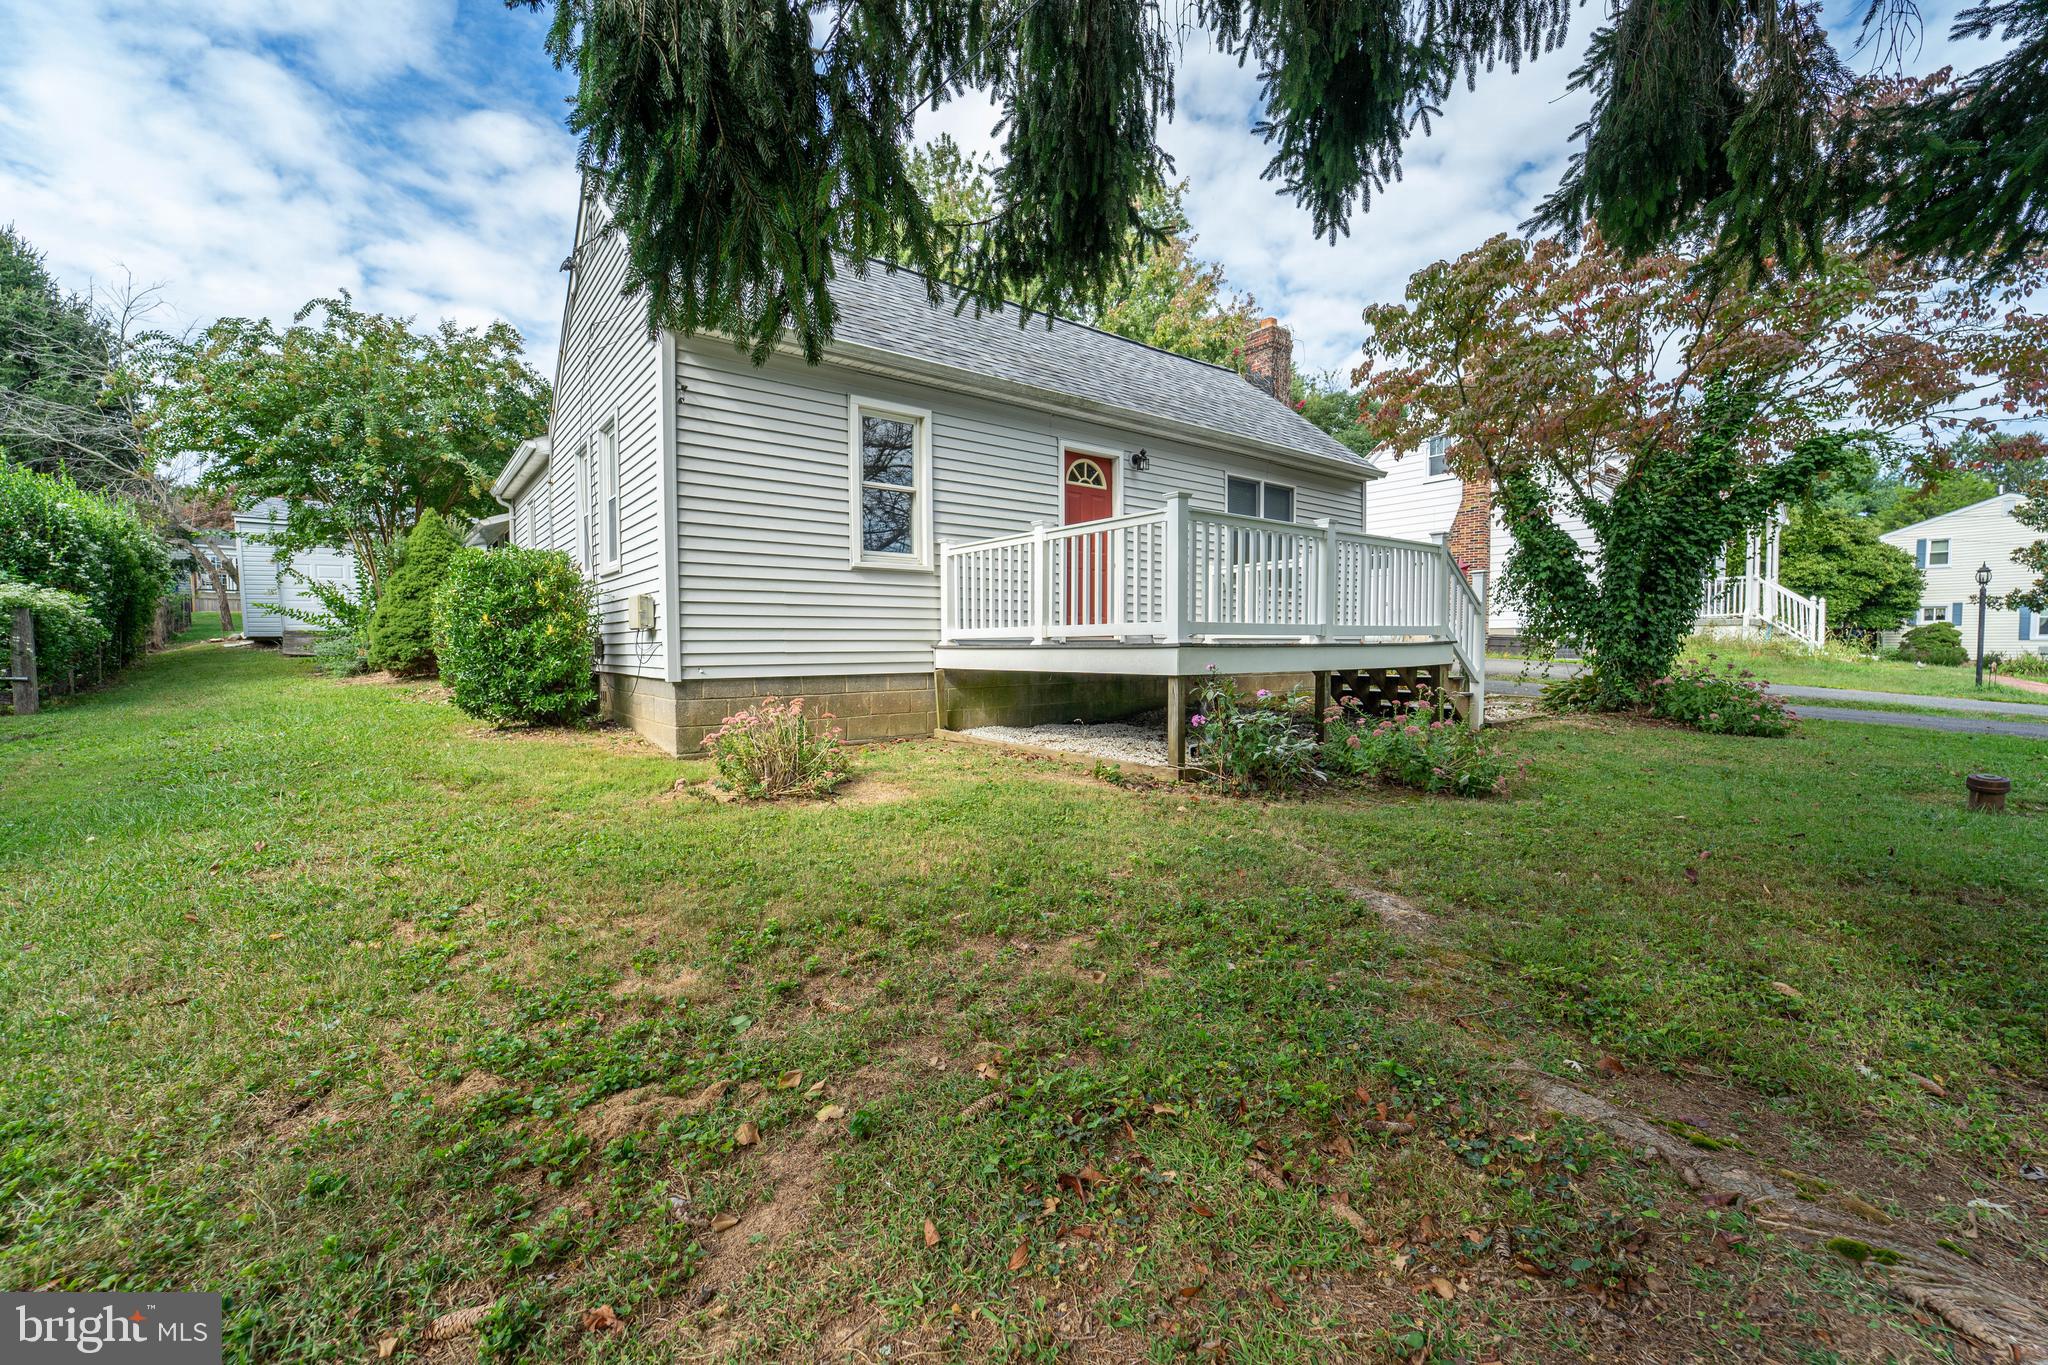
{"type": "Point", "coordinates": [769, 583]}
{"type": "Point", "coordinates": [605, 438]}
{"type": "Point", "coordinates": [265, 585]}
{"type": "Point", "coordinates": [1950, 548]}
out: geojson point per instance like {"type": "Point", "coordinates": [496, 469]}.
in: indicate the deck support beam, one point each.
{"type": "Point", "coordinates": [1322, 703]}
{"type": "Point", "coordinates": [1177, 726]}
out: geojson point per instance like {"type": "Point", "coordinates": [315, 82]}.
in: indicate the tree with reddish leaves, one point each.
{"type": "Point", "coordinates": [1671, 408]}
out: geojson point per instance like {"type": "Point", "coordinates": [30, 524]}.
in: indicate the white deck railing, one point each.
{"type": "Point", "coordinates": [1179, 574]}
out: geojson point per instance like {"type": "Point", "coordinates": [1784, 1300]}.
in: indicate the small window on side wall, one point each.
{"type": "Point", "coordinates": [1439, 451]}
{"type": "Point", "coordinates": [891, 456]}
{"type": "Point", "coordinates": [1252, 498]}
{"type": "Point", "coordinates": [608, 493]}
{"type": "Point", "coordinates": [1937, 554]}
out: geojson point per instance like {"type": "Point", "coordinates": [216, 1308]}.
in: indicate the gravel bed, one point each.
{"type": "Point", "coordinates": [1118, 741]}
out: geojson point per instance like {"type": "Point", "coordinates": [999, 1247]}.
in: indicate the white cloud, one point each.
{"type": "Point", "coordinates": [250, 155]}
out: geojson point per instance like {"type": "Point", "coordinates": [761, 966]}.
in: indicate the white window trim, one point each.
{"type": "Point", "coordinates": [1293, 489]}
{"type": "Point", "coordinates": [1945, 552]}
{"type": "Point", "coordinates": [1447, 472]}
{"type": "Point", "coordinates": [920, 560]}
{"type": "Point", "coordinates": [1113, 458]}
{"type": "Point", "coordinates": [610, 525]}
{"type": "Point", "coordinates": [579, 499]}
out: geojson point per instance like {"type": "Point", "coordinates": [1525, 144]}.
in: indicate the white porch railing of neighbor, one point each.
{"type": "Point", "coordinates": [1177, 574]}
{"type": "Point", "coordinates": [1755, 605]}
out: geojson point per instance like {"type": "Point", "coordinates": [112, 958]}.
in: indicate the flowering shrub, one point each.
{"type": "Point", "coordinates": [1432, 755]}
{"type": "Point", "coordinates": [1720, 700]}
{"type": "Point", "coordinates": [774, 749]}
{"type": "Point", "coordinates": [1251, 741]}
{"type": "Point", "coordinates": [515, 633]}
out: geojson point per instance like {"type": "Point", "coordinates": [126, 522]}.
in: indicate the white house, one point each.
{"type": "Point", "coordinates": [1421, 498]}
{"type": "Point", "coordinates": [955, 519]}
{"type": "Point", "coordinates": [1949, 549]}
{"type": "Point", "coordinates": [266, 585]}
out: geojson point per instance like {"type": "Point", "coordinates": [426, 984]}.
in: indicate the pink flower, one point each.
{"type": "Point", "coordinates": [1198, 720]}
{"type": "Point", "coordinates": [1263, 694]}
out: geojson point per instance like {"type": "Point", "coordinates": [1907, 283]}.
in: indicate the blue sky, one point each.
{"type": "Point", "coordinates": [250, 154]}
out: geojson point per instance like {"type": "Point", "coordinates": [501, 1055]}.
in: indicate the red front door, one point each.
{"type": "Point", "coordinates": [1089, 496]}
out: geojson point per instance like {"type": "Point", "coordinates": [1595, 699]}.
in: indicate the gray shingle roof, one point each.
{"type": "Point", "coordinates": [890, 311]}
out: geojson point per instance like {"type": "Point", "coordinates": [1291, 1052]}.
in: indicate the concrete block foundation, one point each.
{"type": "Point", "coordinates": [675, 717]}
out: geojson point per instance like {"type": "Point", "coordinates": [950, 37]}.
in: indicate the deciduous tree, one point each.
{"type": "Point", "coordinates": [359, 422]}
{"type": "Point", "coordinates": [1670, 411]}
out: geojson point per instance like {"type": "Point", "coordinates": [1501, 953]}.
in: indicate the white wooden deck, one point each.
{"type": "Point", "coordinates": [1177, 590]}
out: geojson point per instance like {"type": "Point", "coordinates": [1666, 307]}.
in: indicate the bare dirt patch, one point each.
{"type": "Point", "coordinates": [684, 983]}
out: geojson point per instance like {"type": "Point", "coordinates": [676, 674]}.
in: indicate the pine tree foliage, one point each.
{"type": "Point", "coordinates": [748, 150]}
{"type": "Point", "coordinates": [402, 630]}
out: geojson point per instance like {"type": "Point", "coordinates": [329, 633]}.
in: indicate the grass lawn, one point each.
{"type": "Point", "coordinates": [325, 997]}
{"type": "Point", "coordinates": [205, 626]}
{"type": "Point", "coordinates": [1840, 668]}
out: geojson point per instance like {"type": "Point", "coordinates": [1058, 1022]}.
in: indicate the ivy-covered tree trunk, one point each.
{"type": "Point", "coordinates": [1657, 534]}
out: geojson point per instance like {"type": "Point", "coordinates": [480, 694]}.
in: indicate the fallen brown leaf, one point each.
{"type": "Point", "coordinates": [789, 1080]}
{"type": "Point", "coordinates": [746, 1135]}
{"type": "Point", "coordinates": [1021, 1257]}
{"type": "Point", "coordinates": [1344, 1213]}
{"type": "Point", "coordinates": [1441, 1287]}
{"type": "Point", "coordinates": [387, 1348]}
{"type": "Point", "coordinates": [931, 1233]}
{"type": "Point", "coordinates": [1612, 1066]}
{"type": "Point", "coordinates": [1388, 1127]}
{"type": "Point", "coordinates": [831, 1112]}
{"type": "Point", "coordinates": [724, 1221]}
{"type": "Point", "coordinates": [603, 1319]}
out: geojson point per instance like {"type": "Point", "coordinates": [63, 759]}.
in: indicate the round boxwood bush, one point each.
{"type": "Point", "coordinates": [402, 630]}
{"type": "Point", "coordinates": [1937, 642]}
{"type": "Point", "coordinates": [515, 633]}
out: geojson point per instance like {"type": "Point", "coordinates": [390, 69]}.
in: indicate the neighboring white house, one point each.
{"type": "Point", "coordinates": [1949, 549]}
{"type": "Point", "coordinates": [954, 518]}
{"type": "Point", "coordinates": [266, 585]}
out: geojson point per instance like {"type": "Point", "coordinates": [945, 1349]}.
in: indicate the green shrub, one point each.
{"type": "Point", "coordinates": [1249, 742]}
{"type": "Point", "coordinates": [402, 630]}
{"type": "Point", "coordinates": [515, 634]}
{"type": "Point", "coordinates": [1433, 755]}
{"type": "Point", "coordinates": [54, 534]}
{"type": "Point", "coordinates": [68, 635]}
{"type": "Point", "coordinates": [2024, 666]}
{"type": "Point", "coordinates": [1937, 642]}
{"type": "Point", "coordinates": [1721, 701]}
{"type": "Point", "coordinates": [774, 749]}
{"type": "Point", "coordinates": [338, 655]}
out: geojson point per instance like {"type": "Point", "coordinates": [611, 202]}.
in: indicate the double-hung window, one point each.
{"type": "Point", "coordinates": [581, 518]}
{"type": "Point", "coordinates": [1937, 554]}
{"type": "Point", "coordinates": [1438, 449]}
{"type": "Point", "coordinates": [608, 493]}
{"type": "Point", "coordinates": [1252, 498]}
{"type": "Point", "coordinates": [890, 453]}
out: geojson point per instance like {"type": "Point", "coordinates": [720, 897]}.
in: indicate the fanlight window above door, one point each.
{"type": "Point", "coordinates": [1087, 474]}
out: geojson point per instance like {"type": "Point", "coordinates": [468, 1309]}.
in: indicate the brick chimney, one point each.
{"type": "Point", "coordinates": [1269, 359]}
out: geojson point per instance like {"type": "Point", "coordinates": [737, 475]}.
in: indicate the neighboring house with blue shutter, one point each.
{"type": "Point", "coordinates": [1949, 549]}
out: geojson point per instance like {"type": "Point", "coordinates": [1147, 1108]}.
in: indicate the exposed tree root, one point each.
{"type": "Point", "coordinates": [1906, 1261]}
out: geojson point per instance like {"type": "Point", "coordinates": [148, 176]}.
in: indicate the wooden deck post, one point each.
{"type": "Point", "coordinates": [1322, 703]}
{"type": "Point", "coordinates": [1177, 726]}
{"type": "Point", "coordinates": [21, 662]}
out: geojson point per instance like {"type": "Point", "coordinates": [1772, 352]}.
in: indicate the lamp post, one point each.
{"type": "Point", "coordinates": [1983, 582]}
